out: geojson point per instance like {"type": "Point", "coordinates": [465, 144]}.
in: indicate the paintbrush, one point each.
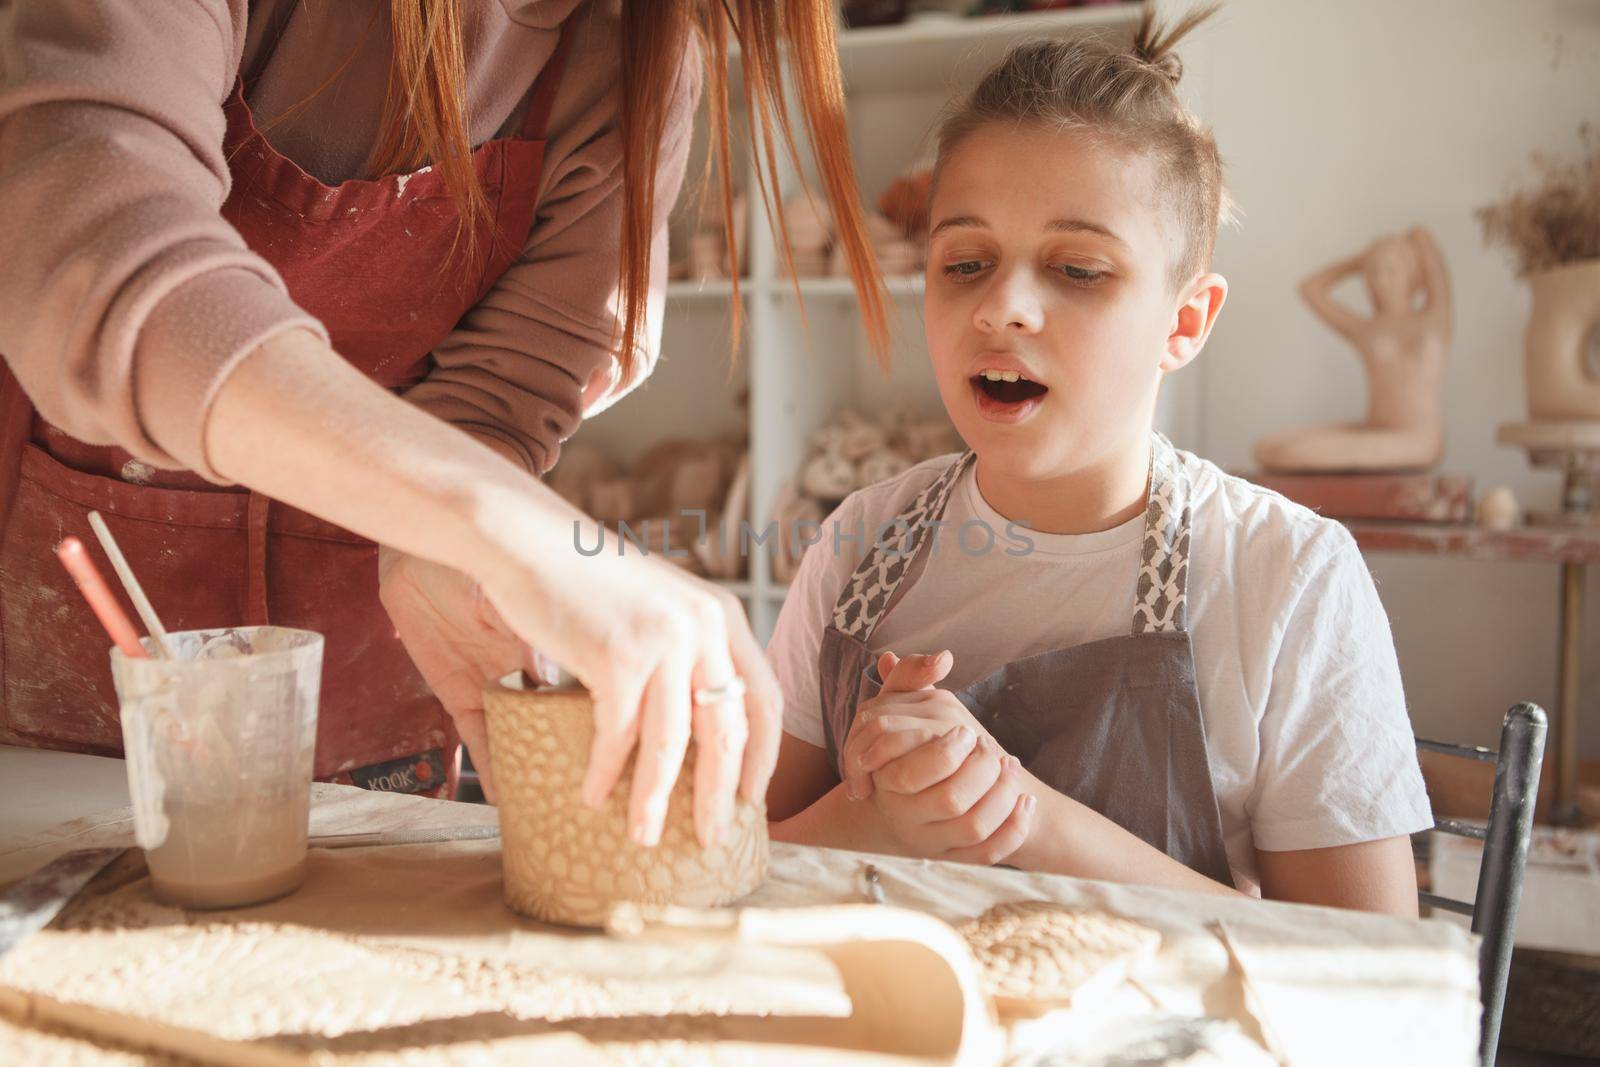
{"type": "Point", "coordinates": [118, 626]}
{"type": "Point", "coordinates": [141, 603]}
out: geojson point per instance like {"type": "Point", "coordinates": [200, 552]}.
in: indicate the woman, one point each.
{"type": "Point", "coordinates": [287, 282]}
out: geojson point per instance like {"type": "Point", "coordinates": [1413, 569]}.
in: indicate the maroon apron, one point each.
{"type": "Point", "coordinates": [373, 261]}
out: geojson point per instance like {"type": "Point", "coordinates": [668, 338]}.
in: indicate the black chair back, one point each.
{"type": "Point", "coordinates": [1494, 906]}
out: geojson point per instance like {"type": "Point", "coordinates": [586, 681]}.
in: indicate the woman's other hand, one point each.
{"type": "Point", "coordinates": [458, 642]}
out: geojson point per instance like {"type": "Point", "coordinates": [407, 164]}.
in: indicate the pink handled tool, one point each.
{"type": "Point", "coordinates": [101, 599]}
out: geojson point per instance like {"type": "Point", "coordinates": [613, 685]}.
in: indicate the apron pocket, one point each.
{"type": "Point", "coordinates": [187, 548]}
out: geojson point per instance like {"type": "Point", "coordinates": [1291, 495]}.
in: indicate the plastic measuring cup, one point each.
{"type": "Point", "coordinates": [219, 744]}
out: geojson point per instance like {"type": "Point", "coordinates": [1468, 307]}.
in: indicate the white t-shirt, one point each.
{"type": "Point", "coordinates": [1307, 734]}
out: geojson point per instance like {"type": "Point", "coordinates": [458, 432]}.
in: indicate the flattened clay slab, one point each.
{"type": "Point", "coordinates": [565, 862]}
{"type": "Point", "coordinates": [1037, 955]}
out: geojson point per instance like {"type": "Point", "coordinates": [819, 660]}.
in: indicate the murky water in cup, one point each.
{"type": "Point", "coordinates": [219, 744]}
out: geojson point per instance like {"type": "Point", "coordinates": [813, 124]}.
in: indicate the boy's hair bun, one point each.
{"type": "Point", "coordinates": [1156, 45]}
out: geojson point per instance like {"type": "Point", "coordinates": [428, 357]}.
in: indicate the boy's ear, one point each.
{"type": "Point", "coordinates": [1192, 322]}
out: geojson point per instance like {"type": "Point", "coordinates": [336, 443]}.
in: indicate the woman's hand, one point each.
{"type": "Point", "coordinates": [643, 637]}
{"type": "Point", "coordinates": [458, 642]}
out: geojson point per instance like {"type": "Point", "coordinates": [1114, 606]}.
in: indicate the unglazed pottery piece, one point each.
{"type": "Point", "coordinates": [565, 862]}
{"type": "Point", "coordinates": [1563, 343]}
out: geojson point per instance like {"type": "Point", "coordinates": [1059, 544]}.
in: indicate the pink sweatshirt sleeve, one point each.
{"type": "Point", "coordinates": [540, 350]}
{"type": "Point", "coordinates": [126, 297]}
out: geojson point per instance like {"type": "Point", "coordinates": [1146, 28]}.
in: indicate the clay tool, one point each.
{"type": "Point", "coordinates": [141, 603]}
{"type": "Point", "coordinates": [95, 590]}
{"type": "Point", "coordinates": [385, 838]}
{"type": "Point", "coordinates": [30, 905]}
{"type": "Point", "coordinates": [874, 880]}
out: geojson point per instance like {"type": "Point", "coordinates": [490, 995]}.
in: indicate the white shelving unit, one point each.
{"type": "Point", "coordinates": [801, 361]}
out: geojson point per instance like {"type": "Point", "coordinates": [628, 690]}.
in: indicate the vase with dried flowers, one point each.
{"type": "Point", "coordinates": [1553, 231]}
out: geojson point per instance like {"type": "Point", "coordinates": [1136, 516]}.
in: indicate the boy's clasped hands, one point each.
{"type": "Point", "coordinates": [944, 788]}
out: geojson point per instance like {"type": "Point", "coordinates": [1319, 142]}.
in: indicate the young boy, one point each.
{"type": "Point", "coordinates": [1135, 667]}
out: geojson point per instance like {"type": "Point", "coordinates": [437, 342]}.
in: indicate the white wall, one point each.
{"type": "Point", "coordinates": [1341, 119]}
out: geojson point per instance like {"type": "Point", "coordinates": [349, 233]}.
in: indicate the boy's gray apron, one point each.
{"type": "Point", "coordinates": [1114, 724]}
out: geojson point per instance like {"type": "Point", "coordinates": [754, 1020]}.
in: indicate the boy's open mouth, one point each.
{"type": "Point", "coordinates": [1007, 387]}
{"type": "Point", "coordinates": [1006, 395]}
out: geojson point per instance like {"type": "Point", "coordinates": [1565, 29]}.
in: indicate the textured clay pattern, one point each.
{"type": "Point", "coordinates": [568, 863]}
{"type": "Point", "coordinates": [346, 1002]}
{"type": "Point", "coordinates": [1043, 953]}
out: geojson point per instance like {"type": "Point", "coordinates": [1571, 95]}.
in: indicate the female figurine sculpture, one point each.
{"type": "Point", "coordinates": [1403, 344]}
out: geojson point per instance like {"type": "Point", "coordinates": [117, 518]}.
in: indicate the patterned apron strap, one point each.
{"type": "Point", "coordinates": [867, 595]}
{"type": "Point", "coordinates": [1162, 594]}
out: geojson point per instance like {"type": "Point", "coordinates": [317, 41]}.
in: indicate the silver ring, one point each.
{"type": "Point", "coordinates": [720, 694]}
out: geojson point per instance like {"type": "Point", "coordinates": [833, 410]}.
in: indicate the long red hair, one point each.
{"type": "Point", "coordinates": [425, 122]}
